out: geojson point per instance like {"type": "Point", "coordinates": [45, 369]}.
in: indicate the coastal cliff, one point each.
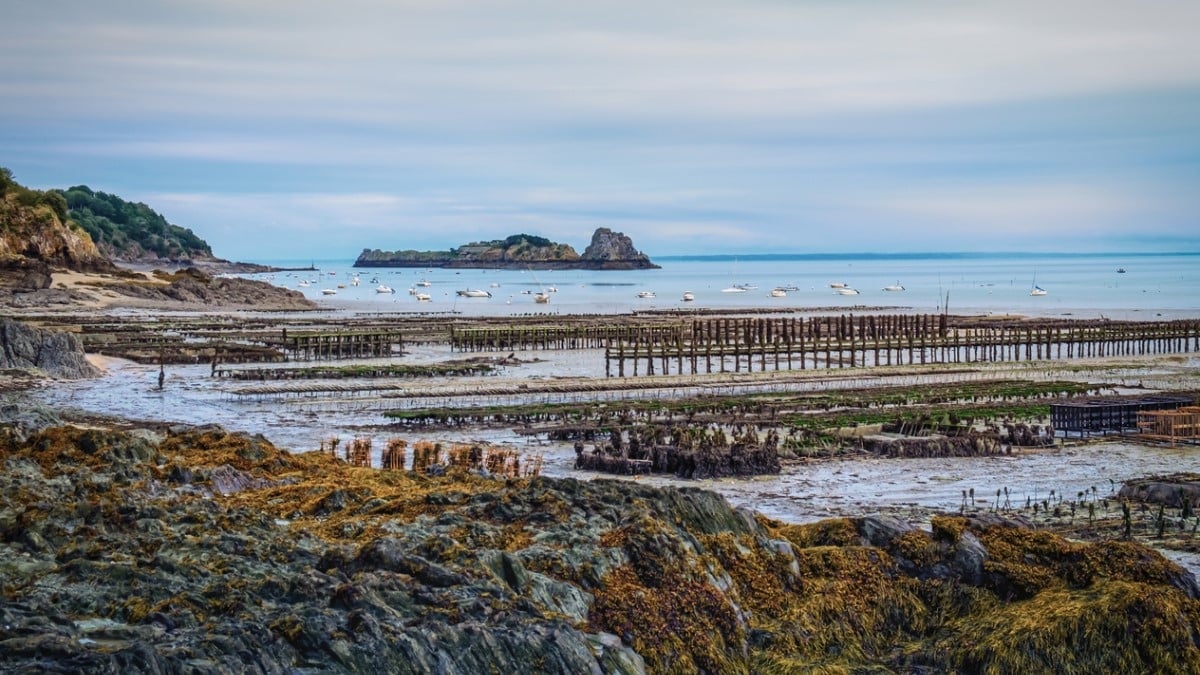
{"type": "Point", "coordinates": [201, 550]}
{"type": "Point", "coordinates": [608, 250]}
{"type": "Point", "coordinates": [34, 226]}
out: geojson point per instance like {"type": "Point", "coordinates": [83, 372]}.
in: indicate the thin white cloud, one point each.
{"type": "Point", "coordinates": [741, 123]}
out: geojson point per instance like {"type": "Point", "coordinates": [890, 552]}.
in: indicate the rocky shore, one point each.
{"type": "Point", "coordinates": [195, 550]}
{"type": "Point", "coordinates": [36, 287]}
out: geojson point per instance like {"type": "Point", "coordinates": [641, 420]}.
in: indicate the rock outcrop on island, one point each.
{"type": "Point", "coordinates": [203, 551]}
{"type": "Point", "coordinates": [608, 250]}
{"type": "Point", "coordinates": [615, 251]}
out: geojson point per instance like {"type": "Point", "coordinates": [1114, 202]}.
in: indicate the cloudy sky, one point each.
{"type": "Point", "coordinates": [292, 129]}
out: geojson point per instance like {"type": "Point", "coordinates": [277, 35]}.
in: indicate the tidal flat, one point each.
{"type": "Point", "coordinates": [844, 559]}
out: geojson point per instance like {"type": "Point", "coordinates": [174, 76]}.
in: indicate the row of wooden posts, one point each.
{"type": "Point", "coordinates": [341, 345]}
{"type": "Point", "coordinates": [509, 338]}
{"type": "Point", "coordinates": [765, 344]}
{"type": "Point", "coordinates": [430, 457]}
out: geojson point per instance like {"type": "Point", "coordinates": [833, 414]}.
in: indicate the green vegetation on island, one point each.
{"type": "Point", "coordinates": [608, 250]}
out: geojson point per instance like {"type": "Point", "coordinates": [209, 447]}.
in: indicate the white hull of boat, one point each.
{"type": "Point", "coordinates": [847, 291]}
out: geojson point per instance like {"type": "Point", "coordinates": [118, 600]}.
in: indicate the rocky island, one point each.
{"type": "Point", "coordinates": [608, 250]}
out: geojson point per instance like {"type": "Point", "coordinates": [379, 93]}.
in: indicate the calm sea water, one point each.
{"type": "Point", "coordinates": [1152, 285]}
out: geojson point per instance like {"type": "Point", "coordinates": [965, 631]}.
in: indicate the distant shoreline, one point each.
{"type": "Point", "coordinates": [537, 266]}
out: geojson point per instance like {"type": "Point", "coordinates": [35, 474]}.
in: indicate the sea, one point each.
{"type": "Point", "coordinates": [1113, 285]}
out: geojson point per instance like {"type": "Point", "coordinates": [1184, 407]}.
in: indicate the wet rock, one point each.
{"type": "Point", "coordinates": [969, 556]}
{"type": "Point", "coordinates": [227, 480]}
{"type": "Point", "coordinates": [541, 575]}
{"type": "Point", "coordinates": [1171, 491]}
{"type": "Point", "coordinates": [881, 531]}
{"type": "Point", "coordinates": [55, 353]}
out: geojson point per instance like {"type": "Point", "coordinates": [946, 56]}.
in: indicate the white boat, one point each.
{"type": "Point", "coordinates": [474, 293]}
{"type": "Point", "coordinates": [778, 293]}
{"type": "Point", "coordinates": [423, 297]}
{"type": "Point", "coordinates": [789, 287]}
{"type": "Point", "coordinates": [645, 295]}
{"type": "Point", "coordinates": [303, 284]}
{"type": "Point", "coordinates": [495, 285]}
{"type": "Point", "coordinates": [837, 284]}
{"type": "Point", "coordinates": [846, 290]}
{"type": "Point", "coordinates": [329, 291]}
{"type": "Point", "coordinates": [423, 283]}
{"type": "Point", "coordinates": [688, 296]}
{"type": "Point", "coordinates": [894, 287]}
{"type": "Point", "coordinates": [733, 289]}
{"type": "Point", "coordinates": [354, 281]}
{"type": "Point", "coordinates": [381, 288]}
{"type": "Point", "coordinates": [552, 289]}
{"type": "Point", "coordinates": [541, 298]}
{"type": "Point", "coordinates": [1036, 290]}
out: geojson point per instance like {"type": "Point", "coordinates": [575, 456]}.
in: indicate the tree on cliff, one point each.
{"type": "Point", "coordinates": [130, 231]}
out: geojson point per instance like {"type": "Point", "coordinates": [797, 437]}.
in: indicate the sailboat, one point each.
{"type": "Point", "coordinates": [735, 288]}
{"type": "Point", "coordinates": [542, 297]}
{"type": "Point", "coordinates": [1037, 290]}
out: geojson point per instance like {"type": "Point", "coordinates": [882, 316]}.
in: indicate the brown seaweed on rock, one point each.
{"type": "Point", "coordinates": [119, 552]}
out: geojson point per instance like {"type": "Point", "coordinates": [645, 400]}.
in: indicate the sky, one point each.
{"type": "Point", "coordinates": [290, 129]}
